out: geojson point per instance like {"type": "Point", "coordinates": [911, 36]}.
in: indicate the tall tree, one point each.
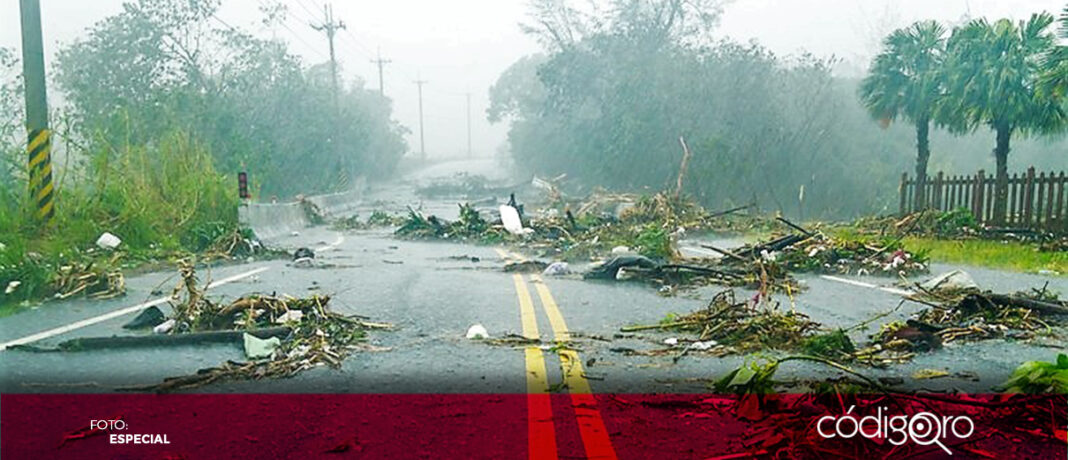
{"type": "Point", "coordinates": [906, 80]}
{"type": "Point", "coordinates": [1055, 79]}
{"type": "Point", "coordinates": [994, 73]}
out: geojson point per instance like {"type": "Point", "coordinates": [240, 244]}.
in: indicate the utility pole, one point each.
{"type": "Point", "coordinates": [422, 142]}
{"type": "Point", "coordinates": [331, 27]}
{"type": "Point", "coordinates": [380, 62]}
{"type": "Point", "coordinates": [39, 139]}
{"type": "Point", "coordinates": [468, 124]}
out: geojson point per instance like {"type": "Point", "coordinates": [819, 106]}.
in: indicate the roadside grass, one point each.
{"type": "Point", "coordinates": [1013, 256]}
{"type": "Point", "coordinates": [163, 200]}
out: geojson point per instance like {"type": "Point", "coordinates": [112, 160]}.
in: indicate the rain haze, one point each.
{"type": "Point", "coordinates": [462, 47]}
{"type": "Point", "coordinates": [534, 228]}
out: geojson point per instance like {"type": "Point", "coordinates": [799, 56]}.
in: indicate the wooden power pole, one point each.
{"type": "Point", "coordinates": [380, 62]}
{"type": "Point", "coordinates": [330, 27]}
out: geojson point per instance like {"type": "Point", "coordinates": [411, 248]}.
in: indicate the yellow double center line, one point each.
{"type": "Point", "coordinates": [595, 437]}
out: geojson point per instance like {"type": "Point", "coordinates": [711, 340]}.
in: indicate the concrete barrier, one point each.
{"type": "Point", "coordinates": [272, 220]}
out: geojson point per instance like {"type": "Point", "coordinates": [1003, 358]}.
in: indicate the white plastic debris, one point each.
{"type": "Point", "coordinates": [294, 233]}
{"type": "Point", "coordinates": [702, 346]}
{"type": "Point", "coordinates": [620, 250]}
{"type": "Point", "coordinates": [956, 280]}
{"type": "Point", "coordinates": [476, 332]}
{"type": "Point", "coordinates": [257, 348]}
{"type": "Point", "coordinates": [557, 269]}
{"type": "Point", "coordinates": [164, 327]}
{"type": "Point", "coordinates": [767, 256]}
{"type": "Point", "coordinates": [671, 341]}
{"type": "Point", "coordinates": [291, 315]}
{"type": "Point", "coordinates": [510, 219]}
{"type": "Point", "coordinates": [108, 241]}
{"type": "Point", "coordinates": [12, 286]}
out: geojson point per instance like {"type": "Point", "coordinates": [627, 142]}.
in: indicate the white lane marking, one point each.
{"type": "Point", "coordinates": [892, 290]}
{"type": "Point", "coordinates": [117, 313]}
{"type": "Point", "coordinates": [337, 242]}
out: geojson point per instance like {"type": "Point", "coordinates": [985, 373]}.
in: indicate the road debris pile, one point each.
{"type": "Point", "coordinates": [377, 219]}
{"type": "Point", "coordinates": [962, 312]}
{"type": "Point", "coordinates": [469, 226]}
{"type": "Point", "coordinates": [236, 243]}
{"type": "Point", "coordinates": [957, 224]}
{"type": "Point", "coordinates": [647, 225]}
{"type": "Point", "coordinates": [816, 252]}
{"type": "Point", "coordinates": [98, 278]}
{"type": "Point", "coordinates": [974, 315]}
{"type": "Point", "coordinates": [728, 326]}
{"type": "Point", "coordinates": [311, 335]}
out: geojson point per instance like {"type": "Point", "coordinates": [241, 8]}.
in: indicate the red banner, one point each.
{"type": "Point", "coordinates": [532, 426]}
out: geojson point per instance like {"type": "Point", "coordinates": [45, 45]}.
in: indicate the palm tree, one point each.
{"type": "Point", "coordinates": [994, 72]}
{"type": "Point", "coordinates": [905, 80]}
{"type": "Point", "coordinates": [1055, 79]}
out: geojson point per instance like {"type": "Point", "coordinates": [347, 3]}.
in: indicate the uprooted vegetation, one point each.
{"type": "Point", "coordinates": [966, 314]}
{"type": "Point", "coordinates": [308, 333]}
{"type": "Point", "coordinates": [729, 326]}
{"type": "Point", "coordinates": [957, 224]}
{"type": "Point", "coordinates": [377, 219]}
{"type": "Point", "coordinates": [641, 232]}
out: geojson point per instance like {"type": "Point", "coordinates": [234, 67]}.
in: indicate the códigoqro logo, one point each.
{"type": "Point", "coordinates": [922, 428]}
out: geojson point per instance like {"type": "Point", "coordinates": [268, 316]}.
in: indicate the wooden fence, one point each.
{"type": "Point", "coordinates": [1034, 201]}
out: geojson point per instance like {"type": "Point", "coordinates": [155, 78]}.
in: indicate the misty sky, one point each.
{"type": "Point", "coordinates": [462, 46]}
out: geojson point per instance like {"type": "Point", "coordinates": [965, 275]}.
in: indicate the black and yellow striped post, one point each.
{"type": "Point", "coordinates": [42, 190]}
{"type": "Point", "coordinates": [39, 140]}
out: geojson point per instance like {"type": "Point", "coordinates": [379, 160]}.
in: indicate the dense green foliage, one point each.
{"type": "Point", "coordinates": [160, 66]}
{"type": "Point", "coordinates": [615, 88]}
{"type": "Point", "coordinates": [160, 107]}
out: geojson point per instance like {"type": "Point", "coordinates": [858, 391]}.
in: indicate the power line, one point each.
{"type": "Point", "coordinates": [295, 34]}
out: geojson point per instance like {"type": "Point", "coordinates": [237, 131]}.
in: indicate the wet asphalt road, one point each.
{"type": "Point", "coordinates": [433, 297]}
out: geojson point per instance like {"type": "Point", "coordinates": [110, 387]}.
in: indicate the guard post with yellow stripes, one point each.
{"type": "Point", "coordinates": [42, 190]}
{"type": "Point", "coordinates": [39, 139]}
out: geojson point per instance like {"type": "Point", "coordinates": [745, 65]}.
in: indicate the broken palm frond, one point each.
{"type": "Point", "coordinates": [316, 337]}
{"type": "Point", "coordinates": [741, 327]}
{"type": "Point", "coordinates": [95, 279]}
{"type": "Point", "coordinates": [469, 226]}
